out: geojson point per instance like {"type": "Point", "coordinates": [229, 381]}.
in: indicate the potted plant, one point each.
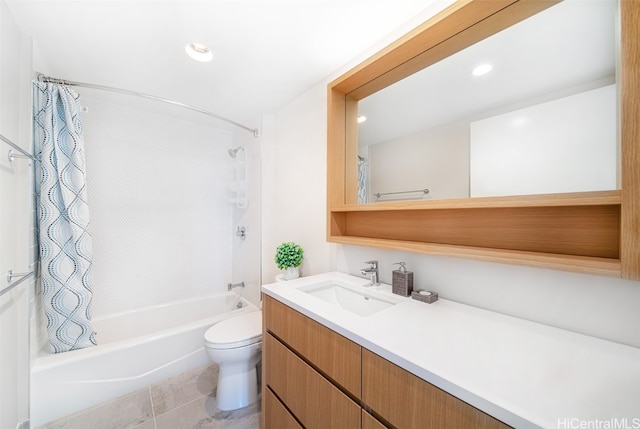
{"type": "Point", "coordinates": [289, 258]}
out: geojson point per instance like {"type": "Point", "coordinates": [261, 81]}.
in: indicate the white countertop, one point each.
{"type": "Point", "coordinates": [523, 373]}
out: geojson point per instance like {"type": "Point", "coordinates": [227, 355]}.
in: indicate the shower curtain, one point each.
{"type": "Point", "coordinates": [63, 217]}
{"type": "Point", "coordinates": [363, 178]}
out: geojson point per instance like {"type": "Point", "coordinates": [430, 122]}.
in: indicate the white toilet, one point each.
{"type": "Point", "coordinates": [235, 344]}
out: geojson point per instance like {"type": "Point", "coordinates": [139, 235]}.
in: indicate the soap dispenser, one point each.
{"type": "Point", "coordinates": [402, 280]}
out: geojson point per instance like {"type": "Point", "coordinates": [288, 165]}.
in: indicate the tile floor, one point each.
{"type": "Point", "coordinates": [186, 401]}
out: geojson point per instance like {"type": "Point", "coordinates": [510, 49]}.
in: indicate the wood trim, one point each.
{"type": "Point", "coordinates": [451, 21]}
{"type": "Point", "coordinates": [468, 24]}
{"type": "Point", "coordinates": [385, 387]}
{"type": "Point", "coordinates": [336, 144]}
{"type": "Point", "coordinates": [459, 25]}
{"type": "Point", "coordinates": [630, 139]}
{"type": "Point", "coordinates": [333, 354]}
{"type": "Point", "coordinates": [314, 401]}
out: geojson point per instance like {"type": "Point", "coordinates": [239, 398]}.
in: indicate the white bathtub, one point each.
{"type": "Point", "coordinates": [134, 350]}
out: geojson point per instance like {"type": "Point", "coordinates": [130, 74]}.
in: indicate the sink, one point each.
{"type": "Point", "coordinates": [355, 299]}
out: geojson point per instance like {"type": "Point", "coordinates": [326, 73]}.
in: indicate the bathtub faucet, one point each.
{"type": "Point", "coordinates": [230, 286]}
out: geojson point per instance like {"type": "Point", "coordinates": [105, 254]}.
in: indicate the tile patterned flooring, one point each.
{"type": "Point", "coordinates": [186, 401]}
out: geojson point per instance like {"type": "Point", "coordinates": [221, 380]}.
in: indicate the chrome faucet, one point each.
{"type": "Point", "coordinates": [373, 270]}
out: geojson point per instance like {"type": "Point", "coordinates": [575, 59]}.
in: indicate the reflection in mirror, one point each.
{"type": "Point", "coordinates": [541, 119]}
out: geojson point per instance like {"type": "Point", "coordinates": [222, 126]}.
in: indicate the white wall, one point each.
{"type": "Point", "coordinates": [16, 220]}
{"type": "Point", "coordinates": [436, 159]}
{"type": "Point", "coordinates": [599, 306]}
{"type": "Point", "coordinates": [564, 145]}
{"type": "Point", "coordinates": [294, 191]}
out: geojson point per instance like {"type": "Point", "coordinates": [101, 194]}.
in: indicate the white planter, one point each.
{"type": "Point", "coordinates": [291, 273]}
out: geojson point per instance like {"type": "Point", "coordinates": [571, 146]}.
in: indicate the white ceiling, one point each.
{"type": "Point", "coordinates": [266, 52]}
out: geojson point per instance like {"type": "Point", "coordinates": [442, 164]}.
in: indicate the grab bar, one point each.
{"type": "Point", "coordinates": [23, 153]}
{"type": "Point", "coordinates": [11, 275]}
{"type": "Point", "coordinates": [379, 194]}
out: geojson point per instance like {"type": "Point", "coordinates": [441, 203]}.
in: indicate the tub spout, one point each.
{"type": "Point", "coordinates": [231, 286]}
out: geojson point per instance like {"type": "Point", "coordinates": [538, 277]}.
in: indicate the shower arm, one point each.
{"type": "Point", "coordinates": [42, 78]}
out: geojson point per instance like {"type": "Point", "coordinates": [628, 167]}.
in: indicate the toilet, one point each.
{"type": "Point", "coordinates": [235, 344]}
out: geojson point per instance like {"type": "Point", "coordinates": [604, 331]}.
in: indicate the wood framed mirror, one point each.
{"type": "Point", "coordinates": [589, 232]}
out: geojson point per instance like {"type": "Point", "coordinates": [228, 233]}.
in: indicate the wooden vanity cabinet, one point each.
{"type": "Point", "coordinates": [370, 422]}
{"type": "Point", "coordinates": [315, 378]}
{"type": "Point", "coordinates": [334, 355]}
{"type": "Point", "coordinates": [313, 400]}
{"type": "Point", "coordinates": [276, 415]}
{"type": "Point", "coordinates": [311, 372]}
{"type": "Point", "coordinates": [407, 401]}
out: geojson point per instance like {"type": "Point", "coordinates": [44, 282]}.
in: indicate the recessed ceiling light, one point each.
{"type": "Point", "coordinates": [482, 69]}
{"type": "Point", "coordinates": [199, 52]}
{"type": "Point", "coordinates": [361, 119]}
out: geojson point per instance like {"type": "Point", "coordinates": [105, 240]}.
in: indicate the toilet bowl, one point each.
{"type": "Point", "coordinates": [235, 344]}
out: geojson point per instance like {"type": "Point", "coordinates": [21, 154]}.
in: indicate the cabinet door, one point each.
{"type": "Point", "coordinates": [408, 402]}
{"type": "Point", "coordinates": [316, 403]}
{"type": "Point", "coordinates": [333, 354]}
{"type": "Point", "coordinates": [276, 415]}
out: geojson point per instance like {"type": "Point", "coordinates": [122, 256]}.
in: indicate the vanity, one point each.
{"type": "Point", "coordinates": [336, 361]}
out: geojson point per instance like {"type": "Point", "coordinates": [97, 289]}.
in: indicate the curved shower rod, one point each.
{"type": "Point", "coordinates": [42, 78]}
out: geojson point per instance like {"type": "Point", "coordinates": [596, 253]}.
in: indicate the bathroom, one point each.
{"type": "Point", "coordinates": [290, 170]}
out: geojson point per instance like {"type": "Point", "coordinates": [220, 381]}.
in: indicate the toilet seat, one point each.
{"type": "Point", "coordinates": [234, 332]}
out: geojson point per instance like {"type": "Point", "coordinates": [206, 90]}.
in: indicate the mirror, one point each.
{"type": "Point", "coordinates": [594, 232]}
{"type": "Point", "coordinates": [542, 120]}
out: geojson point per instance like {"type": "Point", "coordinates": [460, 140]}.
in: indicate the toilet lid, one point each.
{"type": "Point", "coordinates": [235, 331]}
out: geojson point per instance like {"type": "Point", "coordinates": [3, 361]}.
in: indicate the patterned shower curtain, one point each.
{"type": "Point", "coordinates": [63, 217]}
{"type": "Point", "coordinates": [363, 178]}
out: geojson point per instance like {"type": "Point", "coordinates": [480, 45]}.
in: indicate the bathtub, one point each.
{"type": "Point", "coordinates": [134, 350]}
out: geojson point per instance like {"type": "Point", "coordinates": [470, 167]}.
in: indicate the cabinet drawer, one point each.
{"type": "Point", "coordinates": [276, 415]}
{"type": "Point", "coordinates": [369, 422]}
{"type": "Point", "coordinates": [331, 353]}
{"type": "Point", "coordinates": [314, 401]}
{"type": "Point", "coordinates": [407, 401]}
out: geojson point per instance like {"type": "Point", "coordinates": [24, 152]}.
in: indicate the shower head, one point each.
{"type": "Point", "coordinates": [234, 152]}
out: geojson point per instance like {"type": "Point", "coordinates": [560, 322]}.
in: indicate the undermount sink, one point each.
{"type": "Point", "coordinates": [355, 299]}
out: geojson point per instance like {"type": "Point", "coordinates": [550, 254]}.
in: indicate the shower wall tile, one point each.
{"type": "Point", "coordinates": [247, 251]}
{"type": "Point", "coordinates": [161, 218]}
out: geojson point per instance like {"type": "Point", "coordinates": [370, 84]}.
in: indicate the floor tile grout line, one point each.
{"type": "Point", "coordinates": [153, 410]}
{"type": "Point", "coordinates": [183, 405]}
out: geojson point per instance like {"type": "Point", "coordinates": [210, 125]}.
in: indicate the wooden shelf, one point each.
{"type": "Point", "coordinates": [572, 232]}
{"type": "Point", "coordinates": [579, 264]}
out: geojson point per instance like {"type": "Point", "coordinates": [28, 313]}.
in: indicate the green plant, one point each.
{"type": "Point", "coordinates": [288, 255]}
